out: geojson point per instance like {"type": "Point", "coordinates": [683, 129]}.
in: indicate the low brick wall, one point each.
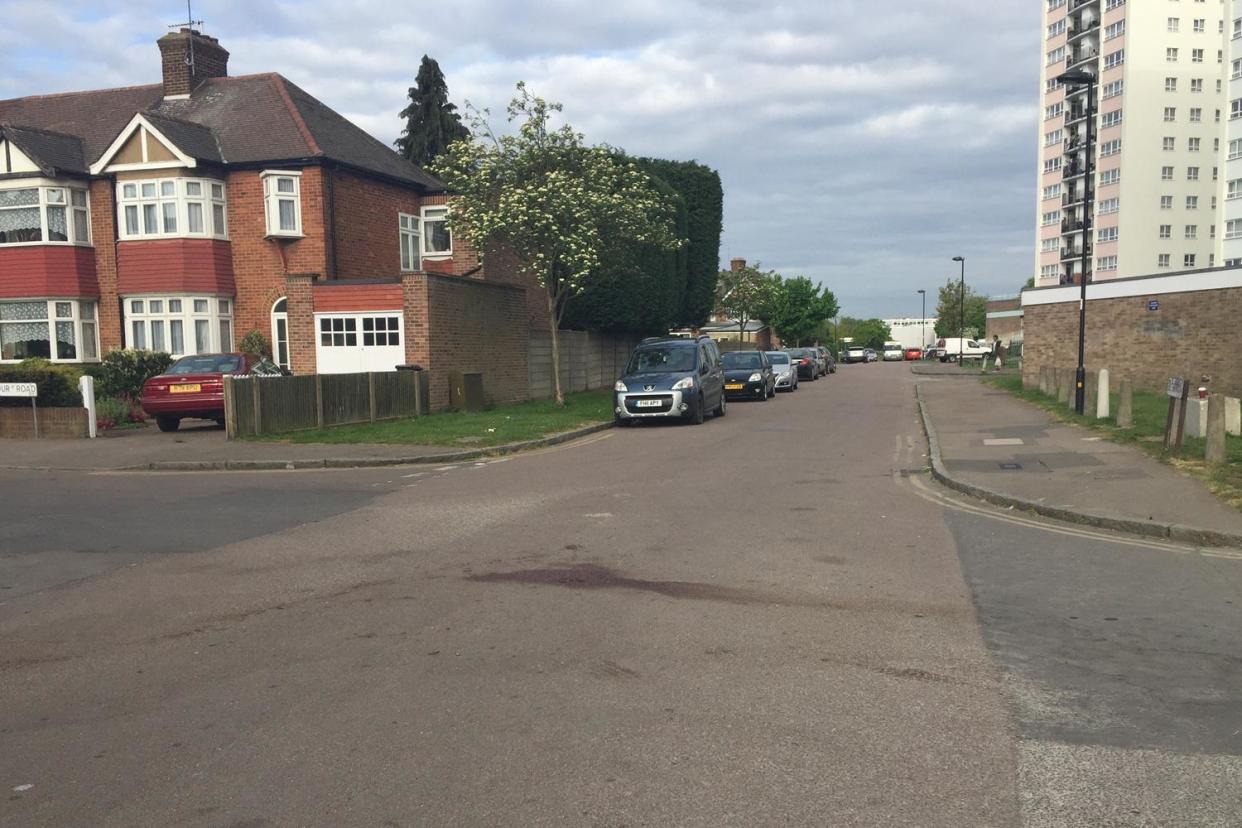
{"type": "Point", "coordinates": [18, 422]}
{"type": "Point", "coordinates": [1189, 334]}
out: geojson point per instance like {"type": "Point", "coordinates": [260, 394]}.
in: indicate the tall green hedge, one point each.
{"type": "Point", "coordinates": [57, 388]}
{"type": "Point", "coordinates": [703, 194]}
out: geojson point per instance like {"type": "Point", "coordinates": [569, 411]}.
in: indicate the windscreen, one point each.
{"type": "Point", "coordinates": [741, 359]}
{"type": "Point", "coordinates": [798, 353]}
{"type": "Point", "coordinates": [661, 360]}
{"type": "Point", "coordinates": [206, 364]}
{"type": "Point", "coordinates": [778, 358]}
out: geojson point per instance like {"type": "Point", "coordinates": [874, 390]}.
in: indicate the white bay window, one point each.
{"type": "Point", "coordinates": [172, 208]}
{"type": "Point", "coordinates": [62, 330]}
{"type": "Point", "coordinates": [282, 202]}
{"type": "Point", "coordinates": [437, 241]}
{"type": "Point", "coordinates": [44, 215]}
{"type": "Point", "coordinates": [179, 325]}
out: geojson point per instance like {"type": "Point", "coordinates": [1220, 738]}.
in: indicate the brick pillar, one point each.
{"type": "Point", "coordinates": [415, 319]}
{"type": "Point", "coordinates": [299, 291]}
{"type": "Point", "coordinates": [103, 237]}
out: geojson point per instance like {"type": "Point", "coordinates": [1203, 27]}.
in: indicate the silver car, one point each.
{"type": "Point", "coordinates": [784, 370]}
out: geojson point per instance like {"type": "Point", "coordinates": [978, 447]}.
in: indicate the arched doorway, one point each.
{"type": "Point", "coordinates": [280, 332]}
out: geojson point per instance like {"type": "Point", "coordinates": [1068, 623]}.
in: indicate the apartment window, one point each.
{"type": "Point", "coordinates": [282, 202]}
{"type": "Point", "coordinates": [1162, 260]}
{"type": "Point", "coordinates": [1213, 202]}
{"type": "Point", "coordinates": [1237, 28]}
{"type": "Point", "coordinates": [1106, 263]}
{"type": "Point", "coordinates": [1108, 148]}
{"type": "Point", "coordinates": [1192, 173]}
{"type": "Point", "coordinates": [1049, 245]}
{"type": "Point", "coordinates": [1053, 191]}
{"type": "Point", "coordinates": [1196, 84]}
{"type": "Point", "coordinates": [1173, 24]}
{"type": "Point", "coordinates": [1057, 55]}
{"type": "Point", "coordinates": [1233, 229]}
{"type": "Point", "coordinates": [1196, 56]}
{"type": "Point", "coordinates": [1235, 109]}
{"type": "Point", "coordinates": [1052, 85]}
{"type": "Point", "coordinates": [1114, 59]}
{"type": "Point", "coordinates": [1054, 110]}
{"type": "Point", "coordinates": [409, 235]}
{"type": "Point", "coordinates": [1051, 218]}
{"type": "Point", "coordinates": [1192, 202]}
{"type": "Point", "coordinates": [1114, 30]}
{"type": "Point", "coordinates": [1170, 84]}
{"type": "Point", "coordinates": [1170, 113]}
{"type": "Point", "coordinates": [437, 240]}
{"type": "Point", "coordinates": [1108, 205]}
{"type": "Point", "coordinates": [1110, 176]}
{"type": "Point", "coordinates": [1166, 231]}
{"type": "Point", "coordinates": [1211, 260]}
{"type": "Point", "coordinates": [1111, 89]}
{"type": "Point", "coordinates": [1049, 271]}
{"type": "Point", "coordinates": [1110, 119]}
{"type": "Point", "coordinates": [1218, 86]}
{"type": "Point", "coordinates": [1218, 116]}
{"type": "Point", "coordinates": [179, 325]}
{"type": "Point", "coordinates": [1235, 148]}
{"type": "Point", "coordinates": [1211, 231]}
{"type": "Point", "coordinates": [1054, 137]}
{"type": "Point", "coordinates": [1109, 5]}
{"type": "Point", "coordinates": [1192, 232]}
{"type": "Point", "coordinates": [1166, 202]}
{"type": "Point", "coordinates": [1052, 165]}
{"type": "Point", "coordinates": [1200, 24]}
{"type": "Point", "coordinates": [1106, 234]}
{"type": "Point", "coordinates": [1196, 114]}
{"type": "Point", "coordinates": [57, 329]}
{"type": "Point", "coordinates": [44, 215]}
{"type": "Point", "coordinates": [1170, 54]}
{"type": "Point", "coordinates": [1236, 69]}
{"type": "Point", "coordinates": [1192, 144]}
{"type": "Point", "coordinates": [1233, 189]}
{"type": "Point", "coordinates": [1169, 143]}
{"type": "Point", "coordinates": [1055, 4]}
{"type": "Point", "coordinates": [1215, 172]}
{"type": "Point", "coordinates": [1188, 260]}
{"type": "Point", "coordinates": [1057, 28]}
{"type": "Point", "coordinates": [172, 207]}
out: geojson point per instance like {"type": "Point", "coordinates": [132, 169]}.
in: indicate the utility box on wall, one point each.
{"type": "Point", "coordinates": [466, 390]}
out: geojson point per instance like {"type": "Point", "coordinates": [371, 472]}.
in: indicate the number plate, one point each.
{"type": "Point", "coordinates": [188, 388]}
{"type": "Point", "coordinates": [734, 386]}
{"type": "Point", "coordinates": [649, 403]}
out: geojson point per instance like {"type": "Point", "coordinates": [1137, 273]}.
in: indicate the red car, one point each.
{"type": "Point", "coordinates": [914, 353]}
{"type": "Point", "coordinates": [193, 386]}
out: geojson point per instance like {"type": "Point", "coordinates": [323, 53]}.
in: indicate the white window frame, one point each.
{"type": "Point", "coordinates": [219, 314]}
{"type": "Point", "coordinates": [77, 216]}
{"type": "Point", "coordinates": [273, 197]}
{"type": "Point", "coordinates": [410, 237]}
{"type": "Point", "coordinates": [433, 214]}
{"type": "Point", "coordinates": [212, 194]}
{"type": "Point", "coordinates": [85, 327]}
{"type": "Point", "coordinates": [280, 313]}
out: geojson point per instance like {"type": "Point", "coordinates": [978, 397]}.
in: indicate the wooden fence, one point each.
{"type": "Point", "coordinates": [272, 405]}
{"type": "Point", "coordinates": [588, 360]}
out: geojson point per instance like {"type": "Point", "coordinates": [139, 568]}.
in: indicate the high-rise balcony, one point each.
{"type": "Point", "coordinates": [1078, 4]}
{"type": "Point", "coordinates": [1070, 226]}
{"type": "Point", "coordinates": [1088, 52]}
{"type": "Point", "coordinates": [1082, 26]}
{"type": "Point", "coordinates": [1072, 253]}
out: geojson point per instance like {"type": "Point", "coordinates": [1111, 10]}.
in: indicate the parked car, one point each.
{"type": "Point", "coordinates": [784, 370]}
{"type": "Point", "coordinates": [670, 377]}
{"type": "Point", "coordinates": [748, 375]}
{"type": "Point", "coordinates": [871, 355]}
{"type": "Point", "coordinates": [807, 364]}
{"type": "Point", "coordinates": [830, 361]}
{"type": "Point", "coordinates": [893, 352]}
{"type": "Point", "coordinates": [855, 353]}
{"type": "Point", "coordinates": [193, 387]}
{"type": "Point", "coordinates": [955, 349]}
{"type": "Point", "coordinates": [933, 353]}
{"type": "Point", "coordinates": [914, 353]}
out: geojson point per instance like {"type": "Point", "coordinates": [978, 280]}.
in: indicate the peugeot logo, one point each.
{"type": "Point", "coordinates": [648, 387]}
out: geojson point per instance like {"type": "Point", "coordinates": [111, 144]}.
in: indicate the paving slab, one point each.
{"type": "Point", "coordinates": [993, 441]}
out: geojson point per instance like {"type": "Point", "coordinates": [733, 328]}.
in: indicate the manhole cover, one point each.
{"type": "Point", "coordinates": [1011, 466]}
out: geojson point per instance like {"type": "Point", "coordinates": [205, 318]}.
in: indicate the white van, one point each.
{"type": "Point", "coordinates": [953, 348]}
{"type": "Point", "coordinates": [893, 352]}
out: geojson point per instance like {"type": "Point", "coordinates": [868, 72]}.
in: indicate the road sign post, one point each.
{"type": "Point", "coordinates": [1177, 392]}
{"type": "Point", "coordinates": [24, 389]}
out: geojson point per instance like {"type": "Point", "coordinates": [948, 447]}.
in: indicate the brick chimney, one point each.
{"type": "Point", "coordinates": [736, 264]}
{"type": "Point", "coordinates": [189, 58]}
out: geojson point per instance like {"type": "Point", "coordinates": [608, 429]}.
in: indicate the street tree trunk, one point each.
{"type": "Point", "coordinates": [553, 325]}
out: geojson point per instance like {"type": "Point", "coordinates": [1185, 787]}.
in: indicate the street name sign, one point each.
{"type": "Point", "coordinates": [19, 389]}
{"type": "Point", "coordinates": [1176, 386]}
{"type": "Point", "coordinates": [1153, 304]}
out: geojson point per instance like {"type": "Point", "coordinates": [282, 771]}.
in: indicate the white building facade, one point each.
{"type": "Point", "coordinates": [913, 332]}
{"type": "Point", "coordinates": [1168, 145]}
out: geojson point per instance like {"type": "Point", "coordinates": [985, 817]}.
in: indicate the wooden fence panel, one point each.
{"type": "Point", "coordinates": [346, 398]}
{"type": "Point", "coordinates": [588, 360]}
{"type": "Point", "coordinates": [395, 394]}
{"type": "Point", "coordinates": [286, 403]}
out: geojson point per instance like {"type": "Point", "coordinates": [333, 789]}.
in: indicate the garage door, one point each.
{"type": "Point", "coordinates": [353, 342]}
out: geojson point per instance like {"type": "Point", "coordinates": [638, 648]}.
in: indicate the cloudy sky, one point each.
{"type": "Point", "coordinates": [862, 145]}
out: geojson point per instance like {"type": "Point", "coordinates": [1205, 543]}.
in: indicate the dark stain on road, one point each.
{"type": "Point", "coordinates": [834, 560]}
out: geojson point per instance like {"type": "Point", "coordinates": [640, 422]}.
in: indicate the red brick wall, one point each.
{"type": "Point", "coordinates": [367, 236]}
{"type": "Point", "coordinates": [1191, 334]}
{"type": "Point", "coordinates": [47, 270]}
{"type": "Point", "coordinates": [476, 326]}
{"type": "Point", "coordinates": [300, 307]}
{"type": "Point", "coordinates": [189, 265]}
{"type": "Point", "coordinates": [103, 236]}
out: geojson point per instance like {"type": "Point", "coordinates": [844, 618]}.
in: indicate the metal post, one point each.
{"type": "Point", "coordinates": [1087, 210]}
{"type": "Point", "coordinates": [961, 331]}
{"type": "Point", "coordinates": [923, 325]}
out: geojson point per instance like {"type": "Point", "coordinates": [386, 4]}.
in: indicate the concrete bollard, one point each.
{"type": "Point", "coordinates": [1102, 399]}
{"type": "Point", "coordinates": [1091, 385]}
{"type": "Point", "coordinates": [1214, 452]}
{"type": "Point", "coordinates": [1125, 403]}
{"type": "Point", "coordinates": [1233, 416]}
{"type": "Point", "coordinates": [1065, 391]}
{"type": "Point", "coordinates": [1196, 417]}
{"type": "Point", "coordinates": [1043, 379]}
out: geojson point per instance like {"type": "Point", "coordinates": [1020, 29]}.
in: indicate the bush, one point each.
{"type": "Point", "coordinates": [122, 373]}
{"type": "Point", "coordinates": [255, 342]}
{"type": "Point", "coordinates": [109, 411]}
{"type": "Point", "coordinates": [57, 388]}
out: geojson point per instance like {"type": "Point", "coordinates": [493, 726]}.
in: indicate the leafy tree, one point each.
{"type": "Point", "coordinates": [431, 122]}
{"type": "Point", "coordinates": [551, 200]}
{"type": "Point", "coordinates": [1030, 283]}
{"type": "Point", "coordinates": [798, 310]}
{"type": "Point", "coordinates": [869, 333]}
{"type": "Point", "coordinates": [949, 310]}
{"type": "Point", "coordinates": [745, 294]}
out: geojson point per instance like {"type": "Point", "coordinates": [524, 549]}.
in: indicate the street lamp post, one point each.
{"type": "Point", "coordinates": [961, 331]}
{"type": "Point", "coordinates": [1083, 78]}
{"type": "Point", "coordinates": [923, 325]}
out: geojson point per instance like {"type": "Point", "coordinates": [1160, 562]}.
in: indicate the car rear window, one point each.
{"type": "Point", "coordinates": [741, 359]}
{"type": "Point", "coordinates": [778, 358]}
{"type": "Point", "coordinates": [661, 360]}
{"type": "Point", "coordinates": [206, 364]}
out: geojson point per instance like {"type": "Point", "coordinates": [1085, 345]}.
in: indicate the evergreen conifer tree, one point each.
{"type": "Point", "coordinates": [431, 121]}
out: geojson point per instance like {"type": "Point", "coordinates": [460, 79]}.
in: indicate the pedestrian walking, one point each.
{"type": "Point", "coordinates": [998, 351]}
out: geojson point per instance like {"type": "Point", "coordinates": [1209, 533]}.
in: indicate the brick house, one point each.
{"type": "Point", "coordinates": [179, 215]}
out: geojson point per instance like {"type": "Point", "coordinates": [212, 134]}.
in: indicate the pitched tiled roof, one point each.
{"type": "Point", "coordinates": [235, 120]}
{"type": "Point", "coordinates": [53, 151]}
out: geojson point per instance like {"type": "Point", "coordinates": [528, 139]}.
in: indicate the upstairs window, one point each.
{"type": "Point", "coordinates": [44, 215]}
{"type": "Point", "coordinates": [172, 208]}
{"type": "Point", "coordinates": [410, 236]}
{"type": "Point", "coordinates": [437, 241]}
{"type": "Point", "coordinates": [283, 203]}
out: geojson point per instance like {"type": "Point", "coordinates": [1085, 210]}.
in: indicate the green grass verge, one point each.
{"type": "Point", "coordinates": [1150, 411]}
{"type": "Point", "coordinates": [466, 429]}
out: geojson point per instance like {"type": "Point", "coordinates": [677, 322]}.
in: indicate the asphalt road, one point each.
{"type": "Point", "coordinates": [773, 618]}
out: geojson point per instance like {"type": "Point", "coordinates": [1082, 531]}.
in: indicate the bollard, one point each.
{"type": "Point", "coordinates": [1214, 452]}
{"type": "Point", "coordinates": [1065, 379]}
{"type": "Point", "coordinates": [1233, 416]}
{"type": "Point", "coordinates": [1071, 386]}
{"type": "Point", "coordinates": [1092, 385]}
{"type": "Point", "coordinates": [1125, 403]}
{"type": "Point", "coordinates": [1043, 379]}
{"type": "Point", "coordinates": [1102, 398]}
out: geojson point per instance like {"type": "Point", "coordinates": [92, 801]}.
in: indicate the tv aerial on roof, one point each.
{"type": "Point", "coordinates": [194, 26]}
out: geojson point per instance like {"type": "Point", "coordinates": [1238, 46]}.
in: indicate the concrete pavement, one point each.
{"type": "Point", "coordinates": [990, 440]}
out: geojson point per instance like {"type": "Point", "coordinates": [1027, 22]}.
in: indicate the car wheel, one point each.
{"type": "Point", "coordinates": [168, 423]}
{"type": "Point", "coordinates": [220, 422]}
{"type": "Point", "coordinates": [622, 422]}
{"type": "Point", "coordinates": [697, 416]}
{"type": "Point", "coordinates": [720, 409]}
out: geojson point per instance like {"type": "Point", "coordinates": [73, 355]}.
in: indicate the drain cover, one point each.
{"type": "Point", "coordinates": [1011, 466]}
